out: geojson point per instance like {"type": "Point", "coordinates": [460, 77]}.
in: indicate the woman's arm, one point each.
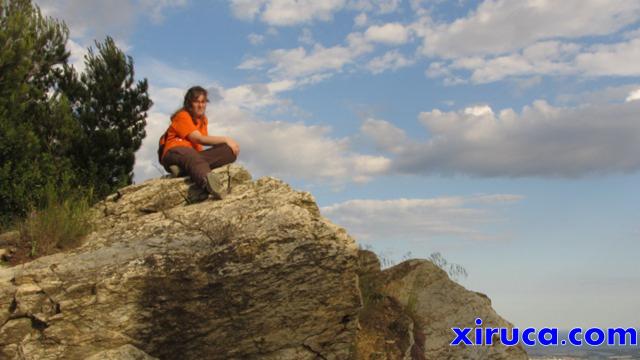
{"type": "Point", "coordinates": [198, 138]}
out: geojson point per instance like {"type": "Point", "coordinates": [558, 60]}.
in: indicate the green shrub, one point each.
{"type": "Point", "coordinates": [61, 224]}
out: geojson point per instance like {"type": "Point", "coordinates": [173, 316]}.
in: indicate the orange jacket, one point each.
{"type": "Point", "coordinates": [182, 124]}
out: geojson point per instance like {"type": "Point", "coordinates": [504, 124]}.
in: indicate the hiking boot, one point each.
{"type": "Point", "coordinates": [174, 170]}
{"type": "Point", "coordinates": [215, 186]}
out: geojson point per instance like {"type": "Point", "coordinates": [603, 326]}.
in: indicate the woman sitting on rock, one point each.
{"type": "Point", "coordinates": [181, 147]}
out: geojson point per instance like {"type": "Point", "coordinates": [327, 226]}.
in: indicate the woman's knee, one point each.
{"type": "Point", "coordinates": [229, 155]}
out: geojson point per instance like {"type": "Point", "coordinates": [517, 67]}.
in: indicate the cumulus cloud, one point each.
{"type": "Point", "coordinates": [377, 6]}
{"type": "Point", "coordinates": [296, 12]}
{"type": "Point", "coordinates": [294, 150]}
{"type": "Point", "coordinates": [77, 53]}
{"type": "Point", "coordinates": [286, 12]}
{"type": "Point", "coordinates": [541, 141]}
{"type": "Point", "coordinates": [252, 63]}
{"type": "Point", "coordinates": [547, 58]}
{"type": "Point", "coordinates": [360, 20]}
{"type": "Point", "coordinates": [386, 136]}
{"type": "Point", "coordinates": [274, 148]}
{"type": "Point", "coordinates": [609, 94]}
{"type": "Point", "coordinates": [419, 219]}
{"type": "Point", "coordinates": [278, 148]}
{"type": "Point", "coordinates": [255, 39]}
{"type": "Point", "coordinates": [309, 66]}
{"type": "Point", "coordinates": [96, 19]}
{"type": "Point", "coordinates": [391, 34]}
{"type": "Point", "coordinates": [246, 9]}
{"type": "Point", "coordinates": [155, 8]}
{"type": "Point", "coordinates": [633, 96]}
{"type": "Point", "coordinates": [253, 96]}
{"type": "Point", "coordinates": [491, 28]}
{"type": "Point", "coordinates": [620, 59]}
{"type": "Point", "coordinates": [147, 165]}
{"type": "Point", "coordinates": [306, 37]}
{"type": "Point", "coordinates": [89, 19]}
{"type": "Point", "coordinates": [391, 60]}
{"type": "Point", "coordinates": [165, 75]}
{"type": "Point", "coordinates": [548, 38]}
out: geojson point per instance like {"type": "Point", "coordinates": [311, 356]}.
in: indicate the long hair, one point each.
{"type": "Point", "coordinates": [192, 95]}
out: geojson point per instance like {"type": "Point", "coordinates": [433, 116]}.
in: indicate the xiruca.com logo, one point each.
{"type": "Point", "coordinates": [485, 336]}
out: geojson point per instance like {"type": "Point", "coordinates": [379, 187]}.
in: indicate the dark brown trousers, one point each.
{"type": "Point", "coordinates": [197, 164]}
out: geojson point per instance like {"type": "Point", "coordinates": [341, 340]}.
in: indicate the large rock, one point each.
{"type": "Point", "coordinates": [259, 274]}
{"type": "Point", "coordinates": [124, 352]}
{"type": "Point", "coordinates": [169, 273]}
{"type": "Point", "coordinates": [410, 309]}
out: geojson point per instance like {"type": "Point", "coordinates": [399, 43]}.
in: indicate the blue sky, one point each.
{"type": "Point", "coordinates": [503, 134]}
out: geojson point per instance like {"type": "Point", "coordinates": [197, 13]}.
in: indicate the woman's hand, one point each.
{"type": "Point", "coordinates": [233, 145]}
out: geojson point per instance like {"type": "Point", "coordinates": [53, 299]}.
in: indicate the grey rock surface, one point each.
{"type": "Point", "coordinates": [124, 352]}
{"type": "Point", "coordinates": [169, 273]}
{"type": "Point", "coordinates": [259, 274]}
{"type": "Point", "coordinates": [438, 304]}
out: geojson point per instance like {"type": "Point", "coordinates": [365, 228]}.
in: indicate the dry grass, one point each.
{"type": "Point", "coordinates": [60, 225]}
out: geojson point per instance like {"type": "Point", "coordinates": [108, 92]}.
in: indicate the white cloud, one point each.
{"type": "Point", "coordinates": [621, 59]}
{"type": "Point", "coordinates": [295, 12]}
{"type": "Point", "coordinates": [317, 64]}
{"type": "Point", "coordinates": [87, 19]}
{"type": "Point", "coordinates": [278, 148]}
{"type": "Point", "coordinates": [391, 34]}
{"type": "Point", "coordinates": [166, 75]}
{"type": "Point", "coordinates": [548, 38]}
{"type": "Point", "coordinates": [491, 28]}
{"type": "Point", "coordinates": [255, 39]}
{"type": "Point", "coordinates": [252, 64]}
{"type": "Point", "coordinates": [274, 148]}
{"type": "Point", "coordinates": [294, 150]}
{"type": "Point", "coordinates": [440, 69]}
{"type": "Point", "coordinates": [310, 65]}
{"type": "Point", "coordinates": [246, 9]}
{"type": "Point", "coordinates": [541, 141]}
{"type": "Point", "coordinates": [306, 37]}
{"type": "Point", "coordinates": [633, 96]}
{"type": "Point", "coordinates": [147, 165]}
{"type": "Point", "coordinates": [524, 83]}
{"type": "Point", "coordinates": [418, 219]}
{"type": "Point", "coordinates": [166, 100]}
{"type": "Point", "coordinates": [547, 58]}
{"type": "Point", "coordinates": [286, 12]}
{"type": "Point", "coordinates": [77, 53]}
{"type": "Point", "coordinates": [155, 8]}
{"type": "Point", "coordinates": [392, 60]}
{"type": "Point", "coordinates": [360, 20]}
{"type": "Point", "coordinates": [90, 20]}
{"type": "Point", "coordinates": [378, 6]}
{"type": "Point", "coordinates": [385, 136]}
{"type": "Point", "coordinates": [610, 94]}
{"type": "Point", "coordinates": [387, 6]}
{"type": "Point", "coordinates": [253, 96]}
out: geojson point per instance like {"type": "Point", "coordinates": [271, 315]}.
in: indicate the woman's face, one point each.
{"type": "Point", "coordinates": [199, 106]}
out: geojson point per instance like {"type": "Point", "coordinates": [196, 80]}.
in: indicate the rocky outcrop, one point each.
{"type": "Point", "coordinates": [410, 309]}
{"type": "Point", "coordinates": [258, 275]}
{"type": "Point", "coordinates": [168, 273]}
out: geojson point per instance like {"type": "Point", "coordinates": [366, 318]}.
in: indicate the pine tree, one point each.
{"type": "Point", "coordinates": [60, 130]}
{"type": "Point", "coordinates": [36, 126]}
{"type": "Point", "coordinates": [111, 110]}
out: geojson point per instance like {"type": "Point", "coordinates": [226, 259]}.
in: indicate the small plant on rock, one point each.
{"type": "Point", "coordinates": [60, 225]}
